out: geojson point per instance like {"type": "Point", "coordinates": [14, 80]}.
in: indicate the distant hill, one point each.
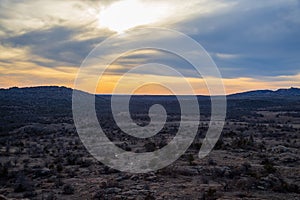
{"type": "Point", "coordinates": [51, 104]}
{"type": "Point", "coordinates": [56, 92]}
{"type": "Point", "coordinates": [282, 93]}
{"type": "Point", "coordinates": [40, 92]}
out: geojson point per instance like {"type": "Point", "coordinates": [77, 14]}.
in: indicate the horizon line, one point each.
{"type": "Point", "coordinates": [107, 94]}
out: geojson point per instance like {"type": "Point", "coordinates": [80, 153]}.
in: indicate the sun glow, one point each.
{"type": "Point", "coordinates": [127, 14]}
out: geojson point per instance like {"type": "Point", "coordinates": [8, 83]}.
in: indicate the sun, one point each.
{"type": "Point", "coordinates": [126, 14]}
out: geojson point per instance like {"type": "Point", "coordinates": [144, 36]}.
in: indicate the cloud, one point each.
{"type": "Point", "coordinates": [26, 74]}
{"type": "Point", "coordinates": [264, 35]}
{"type": "Point", "coordinates": [20, 17]}
{"type": "Point", "coordinates": [56, 44]}
{"type": "Point", "coordinates": [249, 41]}
{"type": "Point", "coordinates": [122, 15]}
{"type": "Point", "coordinates": [142, 57]}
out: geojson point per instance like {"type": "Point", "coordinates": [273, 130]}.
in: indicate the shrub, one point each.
{"type": "Point", "coordinates": [268, 166]}
{"type": "Point", "coordinates": [59, 167]}
{"type": "Point", "coordinates": [3, 170]}
{"type": "Point", "coordinates": [191, 159]}
{"type": "Point", "coordinates": [22, 184]}
{"type": "Point", "coordinates": [68, 189]}
{"type": "Point", "coordinates": [150, 146]}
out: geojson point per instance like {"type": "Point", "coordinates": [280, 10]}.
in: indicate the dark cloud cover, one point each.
{"type": "Point", "coordinates": [251, 39]}
{"type": "Point", "coordinates": [265, 40]}
{"type": "Point", "coordinates": [56, 43]}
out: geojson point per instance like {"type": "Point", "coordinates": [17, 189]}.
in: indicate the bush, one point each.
{"type": "Point", "coordinates": [99, 195]}
{"type": "Point", "coordinates": [3, 170]}
{"type": "Point", "coordinates": [211, 194]}
{"type": "Point", "coordinates": [22, 184]}
{"type": "Point", "coordinates": [191, 159]}
{"type": "Point", "coordinates": [68, 189]}
{"type": "Point", "coordinates": [243, 142]}
{"type": "Point", "coordinates": [59, 167]}
{"type": "Point", "coordinates": [219, 145]}
{"type": "Point", "coordinates": [268, 166]}
{"type": "Point", "coordinates": [211, 162]}
{"type": "Point", "coordinates": [150, 146]}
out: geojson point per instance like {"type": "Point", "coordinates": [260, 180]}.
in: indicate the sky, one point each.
{"type": "Point", "coordinates": [255, 44]}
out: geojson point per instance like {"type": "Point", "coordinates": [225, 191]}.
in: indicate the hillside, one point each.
{"type": "Point", "coordinates": [282, 93]}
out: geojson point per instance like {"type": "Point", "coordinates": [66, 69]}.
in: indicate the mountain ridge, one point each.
{"type": "Point", "coordinates": [292, 91]}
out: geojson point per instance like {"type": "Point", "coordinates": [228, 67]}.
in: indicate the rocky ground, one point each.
{"type": "Point", "coordinates": [42, 157]}
{"type": "Point", "coordinates": [250, 161]}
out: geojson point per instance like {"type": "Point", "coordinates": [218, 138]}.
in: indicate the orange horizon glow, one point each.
{"type": "Point", "coordinates": [46, 47]}
{"type": "Point", "coordinates": [65, 76]}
